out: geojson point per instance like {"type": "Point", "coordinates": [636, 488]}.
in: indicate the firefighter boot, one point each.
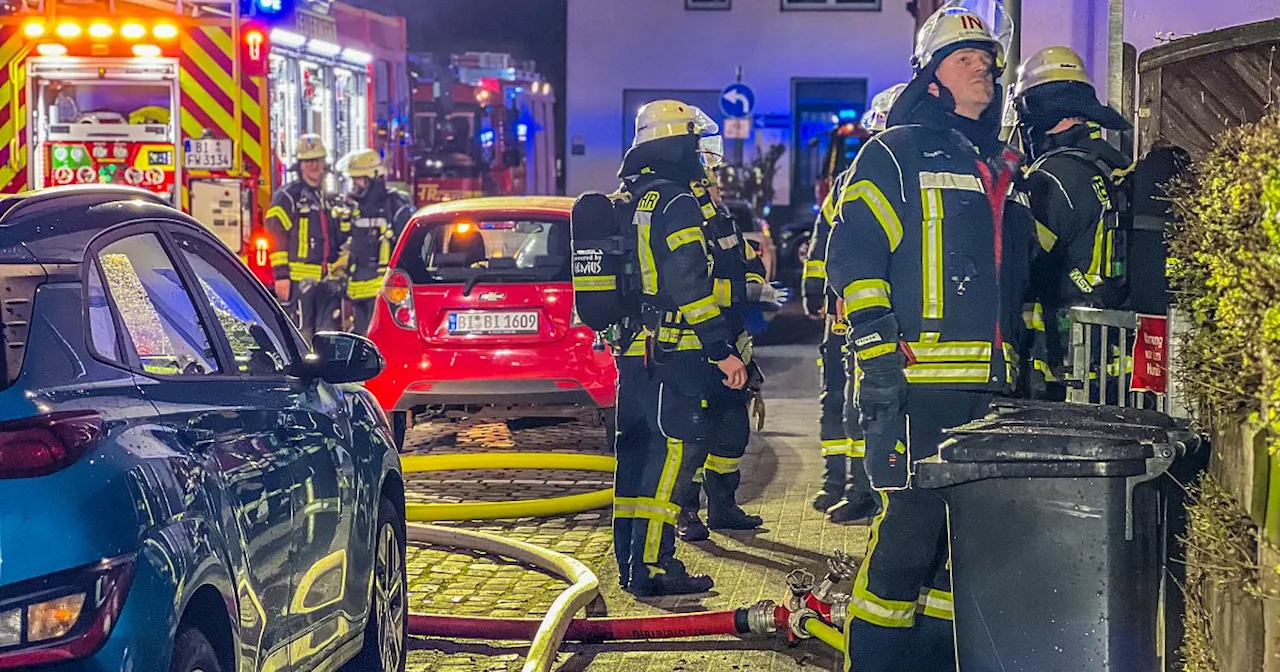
{"type": "Point", "coordinates": [669, 579]}
{"type": "Point", "coordinates": [833, 483]}
{"type": "Point", "coordinates": [689, 526]}
{"type": "Point", "coordinates": [860, 503]}
{"type": "Point", "coordinates": [723, 513]}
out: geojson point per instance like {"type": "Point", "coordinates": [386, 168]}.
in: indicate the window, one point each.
{"type": "Point", "coordinates": [102, 326]}
{"type": "Point", "coordinates": [518, 249]}
{"type": "Point", "coordinates": [245, 316]}
{"type": "Point", "coordinates": [159, 317]}
{"type": "Point", "coordinates": [707, 4]}
{"type": "Point", "coordinates": [846, 5]}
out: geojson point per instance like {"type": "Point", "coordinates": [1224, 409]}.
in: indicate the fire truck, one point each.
{"type": "Point", "coordinates": [484, 125]}
{"type": "Point", "coordinates": [166, 96]}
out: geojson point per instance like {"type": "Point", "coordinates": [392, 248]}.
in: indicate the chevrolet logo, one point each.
{"type": "Point", "coordinates": [492, 296]}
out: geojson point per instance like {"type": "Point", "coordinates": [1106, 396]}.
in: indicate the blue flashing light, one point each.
{"type": "Point", "coordinates": [850, 115]}
{"type": "Point", "coordinates": [522, 131]}
{"type": "Point", "coordinates": [269, 6]}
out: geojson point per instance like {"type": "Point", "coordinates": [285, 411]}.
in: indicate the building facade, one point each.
{"type": "Point", "coordinates": [810, 63]}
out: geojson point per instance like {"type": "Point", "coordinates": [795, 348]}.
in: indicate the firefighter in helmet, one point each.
{"type": "Point", "coordinates": [686, 352]}
{"type": "Point", "coordinates": [1075, 187]}
{"type": "Point", "coordinates": [378, 214]}
{"type": "Point", "coordinates": [305, 239]}
{"type": "Point", "coordinates": [738, 277]}
{"type": "Point", "coordinates": [846, 496]}
{"type": "Point", "coordinates": [931, 257]}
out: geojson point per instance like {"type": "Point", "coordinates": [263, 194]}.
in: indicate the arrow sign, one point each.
{"type": "Point", "coordinates": [737, 100]}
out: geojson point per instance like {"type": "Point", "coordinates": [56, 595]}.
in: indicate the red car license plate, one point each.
{"type": "Point", "coordinates": [494, 322]}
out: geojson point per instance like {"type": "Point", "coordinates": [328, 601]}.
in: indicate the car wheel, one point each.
{"type": "Point", "coordinates": [399, 427]}
{"type": "Point", "coordinates": [386, 632]}
{"type": "Point", "coordinates": [192, 652]}
{"type": "Point", "coordinates": [611, 429]}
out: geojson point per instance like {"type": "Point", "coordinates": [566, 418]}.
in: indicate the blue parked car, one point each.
{"type": "Point", "coordinates": [183, 484]}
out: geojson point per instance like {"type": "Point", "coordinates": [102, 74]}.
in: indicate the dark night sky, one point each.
{"type": "Point", "coordinates": [527, 29]}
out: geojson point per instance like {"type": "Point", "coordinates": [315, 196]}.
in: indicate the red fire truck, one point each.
{"type": "Point", "coordinates": [156, 98]}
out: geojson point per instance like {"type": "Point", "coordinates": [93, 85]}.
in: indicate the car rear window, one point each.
{"type": "Point", "coordinates": [504, 249]}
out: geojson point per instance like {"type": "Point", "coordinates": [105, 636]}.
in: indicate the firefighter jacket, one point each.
{"type": "Point", "coordinates": [304, 234]}
{"type": "Point", "coordinates": [376, 221]}
{"type": "Point", "coordinates": [680, 309]}
{"type": "Point", "coordinates": [1075, 199]}
{"type": "Point", "coordinates": [1077, 205]}
{"type": "Point", "coordinates": [814, 278]}
{"type": "Point", "coordinates": [935, 234]}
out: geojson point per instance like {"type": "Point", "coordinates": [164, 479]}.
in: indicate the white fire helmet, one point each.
{"type": "Point", "coordinates": [362, 163]}
{"type": "Point", "coordinates": [309, 146]}
{"type": "Point", "coordinates": [981, 21]}
{"type": "Point", "coordinates": [670, 118]}
{"type": "Point", "coordinates": [877, 116]}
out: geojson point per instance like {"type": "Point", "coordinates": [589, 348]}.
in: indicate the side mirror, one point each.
{"type": "Point", "coordinates": [340, 357]}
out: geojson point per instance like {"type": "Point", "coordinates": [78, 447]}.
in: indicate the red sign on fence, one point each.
{"type": "Point", "coordinates": [1150, 355]}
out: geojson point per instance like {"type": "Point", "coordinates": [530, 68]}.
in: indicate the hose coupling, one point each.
{"type": "Point", "coordinates": [760, 617]}
{"type": "Point", "coordinates": [840, 611]}
{"type": "Point", "coordinates": [796, 622]}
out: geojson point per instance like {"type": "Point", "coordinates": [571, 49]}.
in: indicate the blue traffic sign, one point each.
{"type": "Point", "coordinates": [737, 100]}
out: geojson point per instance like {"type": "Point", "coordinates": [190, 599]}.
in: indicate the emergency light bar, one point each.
{"type": "Point", "coordinates": [286, 38]}
{"type": "Point", "coordinates": [323, 48]}
{"type": "Point", "coordinates": [356, 56]}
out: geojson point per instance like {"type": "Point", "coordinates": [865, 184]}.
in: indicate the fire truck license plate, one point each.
{"type": "Point", "coordinates": [208, 154]}
{"type": "Point", "coordinates": [494, 322]}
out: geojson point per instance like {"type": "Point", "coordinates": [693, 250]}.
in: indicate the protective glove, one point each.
{"type": "Point", "coordinates": [776, 292]}
{"type": "Point", "coordinates": [814, 305]}
{"type": "Point", "coordinates": [881, 398]}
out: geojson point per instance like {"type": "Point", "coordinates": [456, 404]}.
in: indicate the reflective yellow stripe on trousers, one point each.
{"type": "Point", "coordinates": [666, 487]}
{"type": "Point", "coordinates": [869, 607]}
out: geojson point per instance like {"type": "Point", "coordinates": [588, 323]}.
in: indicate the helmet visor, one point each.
{"type": "Point", "coordinates": [711, 150]}
{"type": "Point", "coordinates": [992, 12]}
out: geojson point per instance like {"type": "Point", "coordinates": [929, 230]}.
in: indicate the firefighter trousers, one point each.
{"type": "Point", "coordinates": [900, 614]}
{"type": "Point", "coordinates": [362, 314]}
{"type": "Point", "coordinates": [313, 307]}
{"type": "Point", "coordinates": [720, 473]}
{"type": "Point", "coordinates": [657, 448]}
{"type": "Point", "coordinates": [842, 444]}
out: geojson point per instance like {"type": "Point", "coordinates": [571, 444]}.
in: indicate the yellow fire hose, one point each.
{"type": "Point", "coordinates": [527, 508]}
{"type": "Point", "coordinates": [585, 586]}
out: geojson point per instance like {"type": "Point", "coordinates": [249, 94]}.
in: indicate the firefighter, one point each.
{"type": "Point", "coordinates": [846, 496]}
{"type": "Point", "coordinates": [306, 241]}
{"type": "Point", "coordinates": [377, 218]}
{"type": "Point", "coordinates": [931, 256]}
{"type": "Point", "coordinates": [1073, 182]}
{"type": "Point", "coordinates": [738, 277]}
{"type": "Point", "coordinates": [685, 353]}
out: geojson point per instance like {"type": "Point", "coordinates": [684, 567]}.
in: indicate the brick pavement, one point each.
{"type": "Point", "coordinates": [781, 474]}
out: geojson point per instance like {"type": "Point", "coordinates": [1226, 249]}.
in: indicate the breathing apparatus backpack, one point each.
{"type": "Point", "coordinates": [1117, 198]}
{"type": "Point", "coordinates": [606, 270]}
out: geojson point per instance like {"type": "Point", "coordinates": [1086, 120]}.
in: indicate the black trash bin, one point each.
{"type": "Point", "coordinates": [1057, 546]}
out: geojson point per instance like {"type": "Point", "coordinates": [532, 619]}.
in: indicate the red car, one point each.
{"type": "Point", "coordinates": [476, 317]}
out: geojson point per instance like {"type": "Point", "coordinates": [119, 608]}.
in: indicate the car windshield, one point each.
{"type": "Point", "coordinates": [499, 249]}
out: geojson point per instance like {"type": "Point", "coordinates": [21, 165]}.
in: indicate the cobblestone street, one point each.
{"type": "Point", "coordinates": [781, 474]}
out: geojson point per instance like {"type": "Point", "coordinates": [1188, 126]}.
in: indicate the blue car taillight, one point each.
{"type": "Point", "coordinates": [64, 616]}
{"type": "Point", "coordinates": [44, 444]}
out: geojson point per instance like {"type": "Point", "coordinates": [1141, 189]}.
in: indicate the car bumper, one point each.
{"type": "Point", "coordinates": [569, 373]}
{"type": "Point", "coordinates": [496, 393]}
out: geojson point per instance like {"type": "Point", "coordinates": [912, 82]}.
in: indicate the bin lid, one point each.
{"type": "Point", "coordinates": [1029, 439]}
